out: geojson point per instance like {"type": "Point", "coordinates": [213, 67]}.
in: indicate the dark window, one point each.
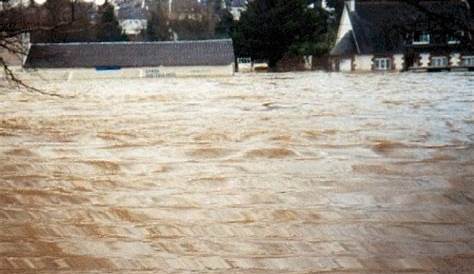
{"type": "Point", "coordinates": [421, 38]}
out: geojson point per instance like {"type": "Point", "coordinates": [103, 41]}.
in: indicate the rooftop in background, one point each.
{"type": "Point", "coordinates": [131, 13]}
{"type": "Point", "coordinates": [239, 3]}
{"type": "Point", "coordinates": [131, 54]}
{"type": "Point", "coordinates": [378, 26]}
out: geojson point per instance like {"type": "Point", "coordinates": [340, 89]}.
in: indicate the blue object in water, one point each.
{"type": "Point", "coordinates": [106, 68]}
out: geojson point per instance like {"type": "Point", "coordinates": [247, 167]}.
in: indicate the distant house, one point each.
{"type": "Point", "coordinates": [134, 59]}
{"type": "Point", "coordinates": [186, 10]}
{"type": "Point", "coordinates": [396, 36]}
{"type": "Point", "coordinates": [237, 7]}
{"type": "Point", "coordinates": [132, 16]}
{"type": "Point", "coordinates": [132, 20]}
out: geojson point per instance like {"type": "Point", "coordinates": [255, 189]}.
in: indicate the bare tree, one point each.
{"type": "Point", "coordinates": [55, 21]}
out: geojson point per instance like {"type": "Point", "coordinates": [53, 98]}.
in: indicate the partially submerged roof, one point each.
{"type": "Point", "coordinates": [131, 54]}
{"type": "Point", "coordinates": [380, 26]}
{"type": "Point", "coordinates": [346, 46]}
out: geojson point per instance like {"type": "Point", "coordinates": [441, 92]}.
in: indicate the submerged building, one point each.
{"type": "Point", "coordinates": [398, 36]}
{"type": "Point", "coordinates": [134, 59]}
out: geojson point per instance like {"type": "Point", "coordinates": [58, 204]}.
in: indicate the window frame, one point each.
{"type": "Point", "coordinates": [470, 63]}
{"type": "Point", "coordinates": [420, 35]}
{"type": "Point", "coordinates": [453, 39]}
{"type": "Point", "coordinates": [436, 64]}
{"type": "Point", "coordinates": [386, 61]}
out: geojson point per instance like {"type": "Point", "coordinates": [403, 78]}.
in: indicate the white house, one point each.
{"type": "Point", "coordinates": [132, 19]}
{"type": "Point", "coordinates": [237, 7]}
{"type": "Point", "coordinates": [396, 36]}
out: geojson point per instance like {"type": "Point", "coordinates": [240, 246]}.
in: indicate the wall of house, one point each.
{"type": "Point", "coordinates": [133, 27]}
{"type": "Point", "coordinates": [398, 61]}
{"type": "Point", "coordinates": [148, 72]}
{"type": "Point", "coordinates": [424, 59]}
{"type": "Point", "coordinates": [363, 62]}
{"type": "Point", "coordinates": [345, 65]}
{"type": "Point", "coordinates": [190, 71]}
{"type": "Point", "coordinates": [455, 59]}
{"type": "Point", "coordinates": [366, 62]}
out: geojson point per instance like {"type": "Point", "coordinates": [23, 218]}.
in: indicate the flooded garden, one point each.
{"type": "Point", "coordinates": [265, 173]}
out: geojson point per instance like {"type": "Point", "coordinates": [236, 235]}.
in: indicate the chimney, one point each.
{"type": "Point", "coordinates": [351, 4]}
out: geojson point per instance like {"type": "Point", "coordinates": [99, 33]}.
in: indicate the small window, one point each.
{"type": "Point", "coordinates": [382, 64]}
{"type": "Point", "coordinates": [439, 61]}
{"type": "Point", "coordinates": [468, 61]}
{"type": "Point", "coordinates": [421, 38]}
{"type": "Point", "coordinates": [455, 38]}
{"type": "Point", "coordinates": [244, 60]}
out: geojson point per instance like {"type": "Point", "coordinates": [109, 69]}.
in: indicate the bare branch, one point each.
{"type": "Point", "coordinates": [12, 79]}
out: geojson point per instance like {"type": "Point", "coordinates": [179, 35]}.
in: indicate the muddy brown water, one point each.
{"type": "Point", "coordinates": [270, 173]}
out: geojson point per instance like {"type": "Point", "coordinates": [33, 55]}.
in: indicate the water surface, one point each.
{"type": "Point", "coordinates": [268, 173]}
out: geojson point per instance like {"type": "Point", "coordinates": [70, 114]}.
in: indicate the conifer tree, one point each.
{"type": "Point", "coordinates": [108, 28]}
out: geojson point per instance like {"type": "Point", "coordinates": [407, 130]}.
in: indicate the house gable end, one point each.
{"type": "Point", "coordinates": [345, 26]}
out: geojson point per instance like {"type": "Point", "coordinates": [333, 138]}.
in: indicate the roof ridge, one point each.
{"type": "Point", "coordinates": [134, 42]}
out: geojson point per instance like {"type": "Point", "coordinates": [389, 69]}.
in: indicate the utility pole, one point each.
{"type": "Point", "coordinates": [170, 8]}
{"type": "Point", "coordinates": [211, 24]}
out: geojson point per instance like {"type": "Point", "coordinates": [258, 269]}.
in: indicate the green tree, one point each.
{"type": "Point", "coordinates": [108, 28]}
{"type": "Point", "coordinates": [158, 24]}
{"type": "Point", "coordinates": [190, 29]}
{"type": "Point", "coordinates": [269, 29]}
{"type": "Point", "coordinates": [63, 21]}
{"type": "Point", "coordinates": [226, 25]}
{"type": "Point", "coordinates": [58, 15]}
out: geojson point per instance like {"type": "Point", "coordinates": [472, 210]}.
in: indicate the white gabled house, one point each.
{"type": "Point", "coordinates": [396, 36]}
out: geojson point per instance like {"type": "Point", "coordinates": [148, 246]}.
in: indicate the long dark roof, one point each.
{"type": "Point", "coordinates": [379, 26]}
{"type": "Point", "coordinates": [131, 54]}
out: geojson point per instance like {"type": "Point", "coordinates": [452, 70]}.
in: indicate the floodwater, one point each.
{"type": "Point", "coordinates": [268, 173]}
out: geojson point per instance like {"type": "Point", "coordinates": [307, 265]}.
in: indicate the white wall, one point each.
{"type": "Point", "coordinates": [424, 59]}
{"type": "Point", "coordinates": [345, 64]}
{"type": "Point", "coordinates": [398, 61]}
{"type": "Point", "coordinates": [133, 27]}
{"type": "Point", "coordinates": [363, 62]}
{"type": "Point", "coordinates": [191, 71]}
{"type": "Point", "coordinates": [455, 59]}
{"type": "Point", "coordinates": [148, 72]}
